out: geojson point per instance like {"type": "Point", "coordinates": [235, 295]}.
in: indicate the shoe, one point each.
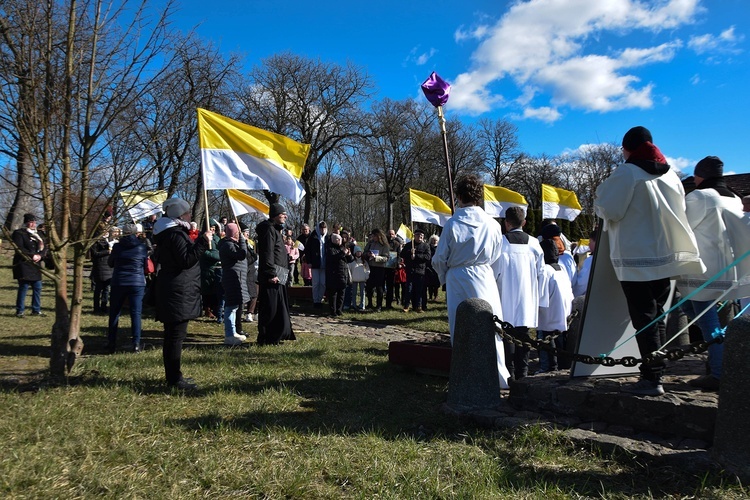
{"type": "Point", "coordinates": [644, 388]}
{"type": "Point", "coordinates": [185, 384]}
{"type": "Point", "coordinates": [138, 348]}
{"type": "Point", "coordinates": [362, 309]}
{"type": "Point", "coordinates": [406, 309]}
{"type": "Point", "coordinates": [20, 315]}
{"type": "Point", "coordinates": [232, 341]}
{"type": "Point", "coordinates": [418, 309]}
{"type": "Point", "coordinates": [240, 336]}
{"type": "Point", "coordinates": [249, 318]}
{"type": "Point", "coordinates": [255, 317]}
{"type": "Point", "coordinates": [38, 313]}
{"type": "Point", "coordinates": [706, 382]}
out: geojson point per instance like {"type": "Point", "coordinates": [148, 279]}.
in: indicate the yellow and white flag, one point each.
{"type": "Point", "coordinates": [238, 156]}
{"type": "Point", "coordinates": [245, 204]}
{"type": "Point", "coordinates": [558, 203]}
{"type": "Point", "coordinates": [498, 199]}
{"type": "Point", "coordinates": [428, 208]}
{"type": "Point", "coordinates": [141, 204]}
{"type": "Point", "coordinates": [405, 233]}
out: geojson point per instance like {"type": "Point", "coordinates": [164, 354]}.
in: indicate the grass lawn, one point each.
{"type": "Point", "coordinates": [322, 417]}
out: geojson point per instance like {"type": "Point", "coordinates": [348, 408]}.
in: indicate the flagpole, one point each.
{"type": "Point", "coordinates": [444, 133]}
{"type": "Point", "coordinates": [412, 239]}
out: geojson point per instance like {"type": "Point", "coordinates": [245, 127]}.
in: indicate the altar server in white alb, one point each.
{"type": "Point", "coordinates": [554, 317]}
{"type": "Point", "coordinates": [521, 281]}
{"type": "Point", "coordinates": [716, 217]}
{"type": "Point", "coordinates": [467, 257]}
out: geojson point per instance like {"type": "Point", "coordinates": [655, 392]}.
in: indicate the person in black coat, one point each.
{"type": "Point", "coordinates": [233, 254]}
{"type": "Point", "coordinates": [416, 255]}
{"type": "Point", "coordinates": [178, 288]}
{"type": "Point", "coordinates": [27, 263]}
{"type": "Point", "coordinates": [274, 323]}
{"type": "Point", "coordinates": [337, 273]}
{"type": "Point", "coordinates": [101, 273]}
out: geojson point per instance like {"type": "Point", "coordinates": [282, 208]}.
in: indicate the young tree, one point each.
{"type": "Point", "coordinates": [88, 63]}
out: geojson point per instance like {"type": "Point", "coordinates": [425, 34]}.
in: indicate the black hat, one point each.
{"type": "Point", "coordinates": [550, 231]}
{"type": "Point", "coordinates": [275, 210]}
{"type": "Point", "coordinates": [709, 167]}
{"type": "Point", "coordinates": [635, 137]}
{"type": "Point", "coordinates": [418, 231]}
{"type": "Point", "coordinates": [29, 218]}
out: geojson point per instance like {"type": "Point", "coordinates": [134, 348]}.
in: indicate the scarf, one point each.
{"type": "Point", "coordinates": [719, 185]}
{"type": "Point", "coordinates": [649, 158]}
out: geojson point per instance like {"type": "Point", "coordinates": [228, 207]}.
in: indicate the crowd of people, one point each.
{"type": "Point", "coordinates": [655, 233]}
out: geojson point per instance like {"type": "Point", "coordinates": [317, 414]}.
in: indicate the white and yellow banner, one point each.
{"type": "Point", "coordinates": [558, 203]}
{"type": "Point", "coordinates": [141, 204]}
{"type": "Point", "coordinates": [405, 233]}
{"type": "Point", "coordinates": [498, 199]}
{"type": "Point", "coordinates": [239, 156]}
{"type": "Point", "coordinates": [245, 204]}
{"type": "Point", "coordinates": [428, 208]}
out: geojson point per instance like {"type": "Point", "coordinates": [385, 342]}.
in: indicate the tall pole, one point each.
{"type": "Point", "coordinates": [444, 133]}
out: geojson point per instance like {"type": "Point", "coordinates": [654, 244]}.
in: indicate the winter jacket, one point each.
{"type": "Point", "coordinates": [28, 245]}
{"type": "Point", "coordinates": [422, 256]}
{"type": "Point", "coordinates": [337, 270]}
{"type": "Point", "coordinates": [383, 252]}
{"type": "Point", "coordinates": [234, 271]}
{"type": "Point", "coordinates": [178, 289]}
{"type": "Point", "coordinates": [211, 268]}
{"type": "Point", "coordinates": [128, 258]}
{"type": "Point", "coordinates": [100, 268]}
{"type": "Point", "coordinates": [314, 255]}
{"type": "Point", "coordinates": [359, 270]}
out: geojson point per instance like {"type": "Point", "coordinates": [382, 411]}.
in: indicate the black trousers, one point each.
{"type": "Point", "coordinates": [174, 336]}
{"type": "Point", "coordinates": [390, 274]}
{"type": "Point", "coordinates": [517, 357]}
{"type": "Point", "coordinates": [646, 301]}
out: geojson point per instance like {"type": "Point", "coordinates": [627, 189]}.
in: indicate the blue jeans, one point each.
{"type": "Point", "coordinates": [134, 294]}
{"type": "Point", "coordinates": [548, 360]}
{"type": "Point", "coordinates": [230, 319]}
{"type": "Point", "coordinates": [36, 296]}
{"type": "Point", "coordinates": [708, 323]}
{"type": "Point", "coordinates": [358, 290]}
{"type": "Point", "coordinates": [348, 296]}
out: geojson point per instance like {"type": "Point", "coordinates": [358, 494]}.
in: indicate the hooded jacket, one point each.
{"type": "Point", "coordinates": [128, 258]}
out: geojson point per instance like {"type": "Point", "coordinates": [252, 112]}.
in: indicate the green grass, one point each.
{"type": "Point", "coordinates": [322, 417]}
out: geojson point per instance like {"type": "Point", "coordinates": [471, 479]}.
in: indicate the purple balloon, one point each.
{"type": "Point", "coordinates": [436, 90]}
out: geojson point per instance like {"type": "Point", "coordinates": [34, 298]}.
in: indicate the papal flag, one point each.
{"type": "Point", "coordinates": [238, 156]}
{"type": "Point", "coordinates": [141, 204]}
{"type": "Point", "coordinates": [405, 233]}
{"type": "Point", "coordinates": [558, 203]}
{"type": "Point", "coordinates": [428, 208]}
{"type": "Point", "coordinates": [245, 204]}
{"type": "Point", "coordinates": [498, 199]}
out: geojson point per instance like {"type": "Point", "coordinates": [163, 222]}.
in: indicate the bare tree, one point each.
{"type": "Point", "coordinates": [92, 61]}
{"type": "Point", "coordinates": [591, 165]}
{"type": "Point", "coordinates": [498, 140]}
{"type": "Point", "coordinates": [310, 101]}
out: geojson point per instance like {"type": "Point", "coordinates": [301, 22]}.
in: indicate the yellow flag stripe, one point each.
{"type": "Point", "coordinates": [501, 194]}
{"type": "Point", "coordinates": [560, 196]}
{"type": "Point", "coordinates": [248, 200]}
{"type": "Point", "coordinates": [219, 132]}
{"type": "Point", "coordinates": [428, 201]}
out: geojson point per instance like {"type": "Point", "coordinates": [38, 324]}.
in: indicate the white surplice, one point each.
{"type": "Point", "coordinates": [560, 301]}
{"type": "Point", "coordinates": [466, 261]}
{"type": "Point", "coordinates": [521, 281]}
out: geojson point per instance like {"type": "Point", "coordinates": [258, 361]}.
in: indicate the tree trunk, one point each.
{"type": "Point", "coordinates": [22, 200]}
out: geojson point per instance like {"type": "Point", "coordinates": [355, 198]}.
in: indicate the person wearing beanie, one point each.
{"type": "Point", "coordinates": [128, 261]}
{"type": "Point", "coordinates": [716, 217]}
{"type": "Point", "coordinates": [233, 256]}
{"type": "Point", "coordinates": [178, 286]}
{"type": "Point", "coordinates": [27, 261]}
{"type": "Point", "coordinates": [642, 204]}
{"type": "Point", "coordinates": [274, 323]}
{"type": "Point", "coordinates": [315, 255]}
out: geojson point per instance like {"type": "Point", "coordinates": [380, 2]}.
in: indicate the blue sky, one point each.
{"type": "Point", "coordinates": [567, 73]}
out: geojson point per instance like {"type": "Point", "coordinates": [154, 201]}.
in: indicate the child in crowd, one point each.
{"type": "Point", "coordinates": [360, 271]}
{"type": "Point", "coordinates": [553, 318]}
{"type": "Point", "coordinates": [400, 292]}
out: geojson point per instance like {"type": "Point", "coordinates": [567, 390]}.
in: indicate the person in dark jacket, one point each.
{"type": "Point", "coordinates": [211, 289]}
{"type": "Point", "coordinates": [128, 262]}
{"type": "Point", "coordinates": [337, 273]}
{"type": "Point", "coordinates": [27, 263]}
{"type": "Point", "coordinates": [233, 254]}
{"type": "Point", "coordinates": [416, 255]}
{"type": "Point", "coordinates": [101, 273]}
{"type": "Point", "coordinates": [274, 323]}
{"type": "Point", "coordinates": [178, 288]}
{"type": "Point", "coordinates": [315, 255]}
